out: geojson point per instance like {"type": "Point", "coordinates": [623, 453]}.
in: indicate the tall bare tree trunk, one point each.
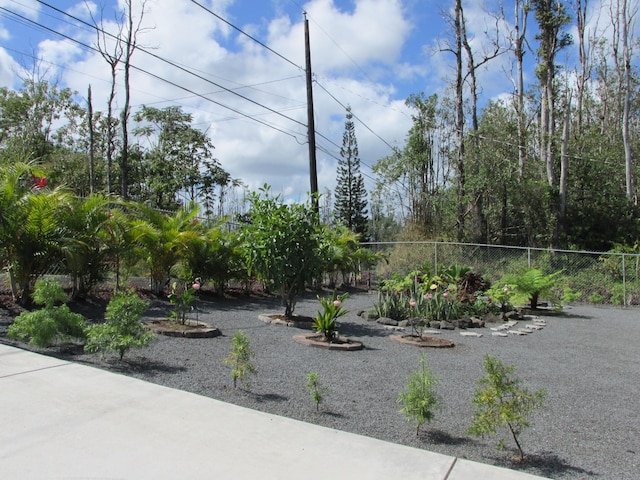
{"type": "Point", "coordinates": [627, 17]}
{"type": "Point", "coordinates": [91, 142]}
{"type": "Point", "coordinates": [461, 193]}
{"type": "Point", "coordinates": [521, 12]}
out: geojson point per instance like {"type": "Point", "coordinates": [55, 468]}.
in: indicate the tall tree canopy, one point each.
{"type": "Point", "coordinates": [350, 194]}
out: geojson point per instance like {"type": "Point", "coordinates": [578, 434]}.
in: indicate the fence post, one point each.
{"type": "Point", "coordinates": [435, 257]}
{"type": "Point", "coordinates": [528, 257]}
{"type": "Point", "coordinates": [624, 282]}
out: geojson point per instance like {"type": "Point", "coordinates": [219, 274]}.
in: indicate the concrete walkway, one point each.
{"type": "Point", "coordinates": [60, 420]}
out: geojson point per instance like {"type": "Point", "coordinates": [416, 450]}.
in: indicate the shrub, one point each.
{"type": "Point", "coordinates": [325, 320]}
{"type": "Point", "coordinates": [316, 388]}
{"type": "Point", "coordinates": [50, 324]}
{"type": "Point", "coordinates": [419, 398]}
{"type": "Point", "coordinates": [240, 359]}
{"type": "Point", "coordinates": [500, 400]}
{"type": "Point", "coordinates": [122, 329]}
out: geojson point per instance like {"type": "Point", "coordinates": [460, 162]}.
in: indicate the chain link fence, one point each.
{"type": "Point", "coordinates": [598, 277]}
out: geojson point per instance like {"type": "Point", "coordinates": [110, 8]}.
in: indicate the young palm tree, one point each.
{"type": "Point", "coordinates": [164, 239]}
{"type": "Point", "coordinates": [31, 228]}
{"type": "Point", "coordinates": [83, 248]}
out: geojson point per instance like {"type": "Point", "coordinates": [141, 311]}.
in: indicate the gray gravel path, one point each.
{"type": "Point", "coordinates": [588, 359]}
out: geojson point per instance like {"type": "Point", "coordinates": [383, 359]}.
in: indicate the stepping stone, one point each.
{"type": "Point", "coordinates": [391, 327]}
{"type": "Point", "coordinates": [431, 332]}
{"type": "Point", "coordinates": [499, 334]}
{"type": "Point", "coordinates": [470, 334]}
{"type": "Point", "coordinates": [536, 327]}
{"type": "Point", "coordinates": [511, 323]}
{"type": "Point", "coordinates": [517, 332]}
{"type": "Point", "coordinates": [500, 328]}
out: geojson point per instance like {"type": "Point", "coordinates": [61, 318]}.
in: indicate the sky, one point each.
{"type": "Point", "coordinates": [251, 100]}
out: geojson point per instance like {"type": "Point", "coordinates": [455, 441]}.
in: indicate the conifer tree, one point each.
{"type": "Point", "coordinates": [350, 193]}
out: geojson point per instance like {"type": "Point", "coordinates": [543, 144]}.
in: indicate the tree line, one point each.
{"type": "Point", "coordinates": [552, 165]}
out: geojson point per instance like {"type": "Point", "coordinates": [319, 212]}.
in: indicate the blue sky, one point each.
{"type": "Point", "coordinates": [369, 54]}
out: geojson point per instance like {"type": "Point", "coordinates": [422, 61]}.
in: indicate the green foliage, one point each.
{"type": "Point", "coordinates": [442, 304]}
{"type": "Point", "coordinates": [569, 296]}
{"type": "Point", "coordinates": [501, 401]}
{"type": "Point", "coordinates": [284, 245]}
{"type": "Point", "coordinates": [82, 246]}
{"type": "Point", "coordinates": [53, 323]}
{"type": "Point", "coordinates": [345, 255]}
{"type": "Point", "coordinates": [122, 329]}
{"type": "Point", "coordinates": [316, 388]}
{"type": "Point", "coordinates": [240, 359]}
{"type": "Point", "coordinates": [502, 295]}
{"type": "Point", "coordinates": [391, 305]}
{"type": "Point", "coordinates": [532, 286]}
{"type": "Point", "coordinates": [180, 158]}
{"type": "Point", "coordinates": [182, 297]}
{"type": "Point", "coordinates": [164, 239]}
{"type": "Point", "coordinates": [325, 320]}
{"type": "Point", "coordinates": [419, 399]}
{"type": "Point", "coordinates": [216, 256]}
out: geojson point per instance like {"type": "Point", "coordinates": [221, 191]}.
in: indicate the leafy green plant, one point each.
{"type": "Point", "coordinates": [443, 306]}
{"type": "Point", "coordinates": [502, 295]}
{"type": "Point", "coordinates": [316, 388]}
{"type": "Point", "coordinates": [325, 320]}
{"type": "Point", "coordinates": [391, 305]}
{"type": "Point", "coordinates": [240, 359]}
{"type": "Point", "coordinates": [182, 297]}
{"type": "Point", "coordinates": [533, 285]}
{"type": "Point", "coordinates": [569, 296]}
{"type": "Point", "coordinates": [122, 329]}
{"type": "Point", "coordinates": [284, 245]}
{"type": "Point", "coordinates": [596, 297]}
{"type": "Point", "coordinates": [500, 400]}
{"type": "Point", "coordinates": [50, 324]}
{"type": "Point", "coordinates": [419, 398]}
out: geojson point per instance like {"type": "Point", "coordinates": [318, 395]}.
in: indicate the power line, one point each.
{"type": "Point", "coordinates": [355, 116]}
{"type": "Point", "coordinates": [146, 72]}
{"type": "Point", "coordinates": [173, 64]}
{"type": "Point", "coordinates": [247, 35]}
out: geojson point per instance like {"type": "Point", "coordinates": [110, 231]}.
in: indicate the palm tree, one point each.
{"type": "Point", "coordinates": [164, 238]}
{"type": "Point", "coordinates": [31, 229]}
{"type": "Point", "coordinates": [119, 239]}
{"type": "Point", "coordinates": [216, 256]}
{"type": "Point", "coordinates": [345, 254]}
{"type": "Point", "coordinates": [83, 247]}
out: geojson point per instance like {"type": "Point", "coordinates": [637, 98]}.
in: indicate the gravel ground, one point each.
{"type": "Point", "coordinates": [588, 360]}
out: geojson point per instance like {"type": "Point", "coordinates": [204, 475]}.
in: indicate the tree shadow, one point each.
{"type": "Point", "coordinates": [329, 413]}
{"type": "Point", "coordinates": [546, 464]}
{"type": "Point", "coordinates": [267, 397]}
{"type": "Point", "coordinates": [362, 330]}
{"type": "Point", "coordinates": [144, 366]}
{"type": "Point", "coordinates": [442, 437]}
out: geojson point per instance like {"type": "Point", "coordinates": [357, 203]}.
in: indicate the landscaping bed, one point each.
{"type": "Point", "coordinates": [584, 358]}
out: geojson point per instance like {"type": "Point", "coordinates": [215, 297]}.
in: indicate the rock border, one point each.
{"type": "Point", "coordinates": [424, 342]}
{"type": "Point", "coordinates": [197, 330]}
{"type": "Point", "coordinates": [298, 321]}
{"type": "Point", "coordinates": [317, 340]}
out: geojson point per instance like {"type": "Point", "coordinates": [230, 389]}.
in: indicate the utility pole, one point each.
{"type": "Point", "coordinates": [311, 129]}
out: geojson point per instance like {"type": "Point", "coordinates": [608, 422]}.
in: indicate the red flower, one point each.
{"type": "Point", "coordinates": [39, 182]}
